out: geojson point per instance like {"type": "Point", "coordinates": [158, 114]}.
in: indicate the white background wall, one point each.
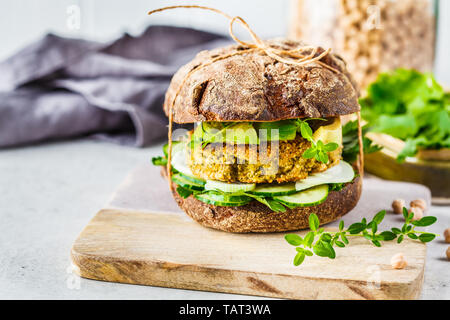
{"type": "Point", "coordinates": [22, 21]}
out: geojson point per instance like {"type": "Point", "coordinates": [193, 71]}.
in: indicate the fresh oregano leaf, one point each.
{"type": "Point", "coordinates": [323, 157]}
{"type": "Point", "coordinates": [331, 252]}
{"type": "Point", "coordinates": [326, 237]}
{"type": "Point", "coordinates": [376, 243]}
{"type": "Point", "coordinates": [306, 130]}
{"type": "Point", "coordinates": [308, 253]}
{"type": "Point", "coordinates": [379, 217]}
{"type": "Point", "coordinates": [293, 239]}
{"type": "Point", "coordinates": [310, 153]}
{"type": "Point", "coordinates": [329, 147]}
{"type": "Point", "coordinates": [357, 228]}
{"type": "Point", "coordinates": [340, 244]}
{"type": "Point", "coordinates": [425, 221]}
{"type": "Point", "coordinates": [309, 238]}
{"type": "Point", "coordinates": [299, 258]}
{"type": "Point", "coordinates": [427, 237]}
{"type": "Point", "coordinates": [344, 238]}
{"type": "Point", "coordinates": [388, 235]}
{"type": "Point", "coordinates": [405, 213]}
{"type": "Point", "coordinates": [412, 236]}
{"type": "Point", "coordinates": [321, 249]}
{"type": "Point", "coordinates": [314, 222]}
{"type": "Point", "coordinates": [374, 228]}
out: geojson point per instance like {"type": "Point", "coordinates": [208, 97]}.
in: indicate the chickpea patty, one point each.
{"type": "Point", "coordinates": [257, 164]}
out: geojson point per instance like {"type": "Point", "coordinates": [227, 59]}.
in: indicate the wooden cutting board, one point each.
{"type": "Point", "coordinates": [141, 237]}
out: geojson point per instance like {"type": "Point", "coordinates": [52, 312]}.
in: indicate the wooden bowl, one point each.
{"type": "Point", "coordinates": [430, 168]}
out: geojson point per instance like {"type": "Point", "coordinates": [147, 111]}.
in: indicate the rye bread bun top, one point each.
{"type": "Point", "coordinates": [236, 83]}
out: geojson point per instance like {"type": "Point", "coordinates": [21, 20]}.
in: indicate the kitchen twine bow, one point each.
{"type": "Point", "coordinates": [294, 57]}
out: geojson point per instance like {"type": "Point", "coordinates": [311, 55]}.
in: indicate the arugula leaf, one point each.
{"type": "Point", "coordinates": [183, 192]}
{"type": "Point", "coordinates": [159, 161]}
{"type": "Point", "coordinates": [271, 203]}
{"type": "Point", "coordinates": [351, 144]}
{"type": "Point", "coordinates": [400, 126]}
{"type": "Point", "coordinates": [336, 186]}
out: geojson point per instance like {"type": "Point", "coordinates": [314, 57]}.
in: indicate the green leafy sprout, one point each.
{"type": "Point", "coordinates": [322, 243]}
{"type": "Point", "coordinates": [318, 150]}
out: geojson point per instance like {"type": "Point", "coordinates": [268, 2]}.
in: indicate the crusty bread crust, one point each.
{"type": "Point", "coordinates": [241, 84]}
{"type": "Point", "coordinates": [258, 218]}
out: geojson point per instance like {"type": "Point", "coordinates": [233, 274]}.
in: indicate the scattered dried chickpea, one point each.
{"type": "Point", "coordinates": [397, 206]}
{"type": "Point", "coordinates": [398, 261]}
{"type": "Point", "coordinates": [418, 213]}
{"type": "Point", "coordinates": [419, 203]}
{"type": "Point", "coordinates": [448, 253]}
{"type": "Point", "coordinates": [447, 235]}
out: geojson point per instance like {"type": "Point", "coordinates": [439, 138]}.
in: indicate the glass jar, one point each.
{"type": "Point", "coordinates": [371, 35]}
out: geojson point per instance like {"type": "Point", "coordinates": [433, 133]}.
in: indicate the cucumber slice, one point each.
{"type": "Point", "coordinates": [166, 147]}
{"type": "Point", "coordinates": [341, 173]}
{"type": "Point", "coordinates": [306, 198]}
{"type": "Point", "coordinates": [229, 187]}
{"type": "Point", "coordinates": [222, 200]}
{"type": "Point", "coordinates": [182, 181]}
{"type": "Point", "coordinates": [271, 190]}
{"type": "Point", "coordinates": [179, 164]}
{"type": "Point", "coordinates": [179, 160]}
{"type": "Point", "coordinates": [194, 180]}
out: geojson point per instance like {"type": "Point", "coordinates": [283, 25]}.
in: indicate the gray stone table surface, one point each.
{"type": "Point", "coordinates": [49, 192]}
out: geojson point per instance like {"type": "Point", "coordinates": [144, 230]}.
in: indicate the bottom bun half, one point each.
{"type": "Point", "coordinates": [258, 218]}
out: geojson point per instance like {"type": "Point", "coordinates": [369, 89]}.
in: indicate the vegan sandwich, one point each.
{"type": "Point", "coordinates": [267, 148]}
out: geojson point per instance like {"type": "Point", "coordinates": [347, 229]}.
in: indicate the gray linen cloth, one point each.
{"type": "Point", "coordinates": [59, 88]}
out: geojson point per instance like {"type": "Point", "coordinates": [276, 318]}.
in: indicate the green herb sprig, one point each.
{"type": "Point", "coordinates": [322, 243]}
{"type": "Point", "coordinates": [409, 228]}
{"type": "Point", "coordinates": [318, 150]}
